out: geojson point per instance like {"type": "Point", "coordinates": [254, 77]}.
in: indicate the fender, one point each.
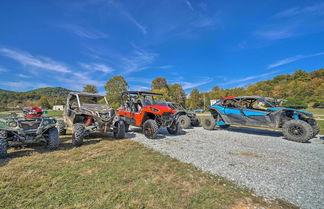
{"type": "Point", "coordinates": [219, 111]}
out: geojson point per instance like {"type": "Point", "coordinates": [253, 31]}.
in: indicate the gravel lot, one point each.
{"type": "Point", "coordinates": [261, 160]}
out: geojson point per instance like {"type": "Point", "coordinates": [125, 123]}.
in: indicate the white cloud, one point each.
{"type": "Point", "coordinates": [166, 66]}
{"type": "Point", "coordinates": [189, 85]}
{"type": "Point", "coordinates": [2, 69]}
{"type": "Point", "coordinates": [85, 33]}
{"type": "Point", "coordinates": [23, 76]}
{"type": "Point", "coordinates": [65, 76]}
{"type": "Point", "coordinates": [315, 9]}
{"type": "Point", "coordinates": [249, 78]}
{"type": "Point", "coordinates": [141, 27]}
{"type": "Point", "coordinates": [140, 60]}
{"type": "Point", "coordinates": [125, 13]}
{"type": "Point", "coordinates": [22, 85]}
{"type": "Point", "coordinates": [189, 4]}
{"type": "Point", "coordinates": [292, 59]}
{"type": "Point", "coordinates": [276, 34]}
{"type": "Point", "coordinates": [78, 80]}
{"type": "Point", "coordinates": [39, 62]}
{"type": "Point", "coordinates": [98, 67]}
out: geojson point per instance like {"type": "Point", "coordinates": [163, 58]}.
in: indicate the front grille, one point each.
{"type": "Point", "coordinates": [105, 116]}
{"type": "Point", "coordinates": [166, 116]}
{"type": "Point", "coordinates": [30, 125]}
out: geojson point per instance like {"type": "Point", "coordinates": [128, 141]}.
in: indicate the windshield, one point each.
{"type": "Point", "coordinates": [271, 102]}
{"type": "Point", "coordinates": [92, 100]}
{"type": "Point", "coordinates": [156, 100]}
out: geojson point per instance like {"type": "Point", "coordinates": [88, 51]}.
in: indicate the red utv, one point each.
{"type": "Point", "coordinates": [139, 108]}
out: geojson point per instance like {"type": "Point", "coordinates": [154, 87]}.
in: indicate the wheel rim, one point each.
{"type": "Point", "coordinates": [208, 122]}
{"type": "Point", "coordinates": [148, 130]}
{"type": "Point", "coordinates": [182, 122]}
{"type": "Point", "coordinates": [296, 130]}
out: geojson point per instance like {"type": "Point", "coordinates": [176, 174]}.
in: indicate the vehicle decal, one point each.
{"type": "Point", "coordinates": [221, 123]}
{"type": "Point", "coordinates": [252, 113]}
{"type": "Point", "coordinates": [232, 111]}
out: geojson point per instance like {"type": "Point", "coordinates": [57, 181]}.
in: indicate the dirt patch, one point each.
{"type": "Point", "coordinates": [247, 154]}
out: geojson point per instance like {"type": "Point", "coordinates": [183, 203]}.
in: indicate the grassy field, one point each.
{"type": "Point", "coordinates": [114, 174]}
{"type": "Point", "coordinates": [52, 113]}
{"type": "Point", "coordinates": [316, 111]}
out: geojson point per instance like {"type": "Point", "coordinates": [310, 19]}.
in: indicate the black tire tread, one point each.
{"type": "Point", "coordinates": [316, 129]}
{"type": "Point", "coordinates": [3, 147]}
{"type": "Point", "coordinates": [197, 122]}
{"type": "Point", "coordinates": [177, 129]}
{"type": "Point", "coordinates": [53, 140]}
{"type": "Point", "coordinates": [78, 134]}
{"type": "Point", "coordinates": [207, 126]}
{"type": "Point", "coordinates": [154, 126]}
{"type": "Point", "coordinates": [60, 125]}
{"type": "Point", "coordinates": [307, 128]}
{"type": "Point", "coordinates": [186, 121]}
{"type": "Point", "coordinates": [119, 131]}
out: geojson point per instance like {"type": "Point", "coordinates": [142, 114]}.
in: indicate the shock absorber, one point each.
{"type": "Point", "coordinates": [89, 121]}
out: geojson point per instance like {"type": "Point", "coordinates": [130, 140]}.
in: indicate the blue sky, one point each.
{"type": "Point", "coordinates": [198, 43]}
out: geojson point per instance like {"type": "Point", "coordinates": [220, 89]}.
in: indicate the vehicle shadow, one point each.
{"type": "Point", "coordinates": [254, 131]}
{"type": "Point", "coordinates": [163, 133]}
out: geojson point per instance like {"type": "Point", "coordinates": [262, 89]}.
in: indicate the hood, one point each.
{"type": "Point", "coordinates": [100, 108]}
{"type": "Point", "coordinates": [162, 108]}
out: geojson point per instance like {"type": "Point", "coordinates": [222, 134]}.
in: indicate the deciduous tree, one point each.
{"type": "Point", "coordinates": [114, 87]}
{"type": "Point", "coordinates": [90, 89]}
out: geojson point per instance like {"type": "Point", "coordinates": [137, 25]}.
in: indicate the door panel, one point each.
{"type": "Point", "coordinates": [256, 117]}
{"type": "Point", "coordinates": [235, 116]}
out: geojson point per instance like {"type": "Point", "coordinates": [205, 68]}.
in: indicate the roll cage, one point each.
{"type": "Point", "coordinates": [75, 99]}
{"type": "Point", "coordinates": [135, 100]}
{"type": "Point", "coordinates": [247, 102]}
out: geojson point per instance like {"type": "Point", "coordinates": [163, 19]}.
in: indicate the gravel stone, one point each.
{"type": "Point", "coordinates": [258, 159]}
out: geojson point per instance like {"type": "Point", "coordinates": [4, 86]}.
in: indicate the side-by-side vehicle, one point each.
{"type": "Point", "coordinates": [31, 127]}
{"type": "Point", "coordinates": [258, 111]}
{"type": "Point", "coordinates": [142, 109]}
{"type": "Point", "coordinates": [87, 113]}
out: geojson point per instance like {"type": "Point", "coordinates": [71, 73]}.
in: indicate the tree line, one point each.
{"type": "Point", "coordinates": [300, 89]}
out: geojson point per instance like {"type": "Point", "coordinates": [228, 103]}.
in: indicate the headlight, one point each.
{"type": "Point", "coordinates": [154, 109]}
{"type": "Point", "coordinates": [12, 124]}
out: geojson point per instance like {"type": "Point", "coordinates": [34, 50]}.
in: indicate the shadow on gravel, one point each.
{"type": "Point", "coordinates": [66, 144]}
{"type": "Point", "coordinates": [163, 133]}
{"type": "Point", "coordinates": [255, 131]}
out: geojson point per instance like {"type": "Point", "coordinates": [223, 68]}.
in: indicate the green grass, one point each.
{"type": "Point", "coordinates": [114, 174]}
{"type": "Point", "coordinates": [52, 113]}
{"type": "Point", "coordinates": [316, 111]}
{"type": "Point", "coordinates": [321, 124]}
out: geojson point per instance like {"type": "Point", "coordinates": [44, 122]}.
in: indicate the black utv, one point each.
{"type": "Point", "coordinates": [186, 118]}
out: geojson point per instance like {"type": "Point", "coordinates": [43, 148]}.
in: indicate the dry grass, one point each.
{"type": "Point", "coordinates": [114, 174]}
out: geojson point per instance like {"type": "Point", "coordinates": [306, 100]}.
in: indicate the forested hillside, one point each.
{"type": "Point", "coordinates": [300, 89]}
{"type": "Point", "coordinates": [56, 95]}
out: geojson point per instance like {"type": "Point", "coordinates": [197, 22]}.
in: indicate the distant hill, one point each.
{"type": "Point", "coordinates": [55, 95]}
{"type": "Point", "coordinates": [300, 88]}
